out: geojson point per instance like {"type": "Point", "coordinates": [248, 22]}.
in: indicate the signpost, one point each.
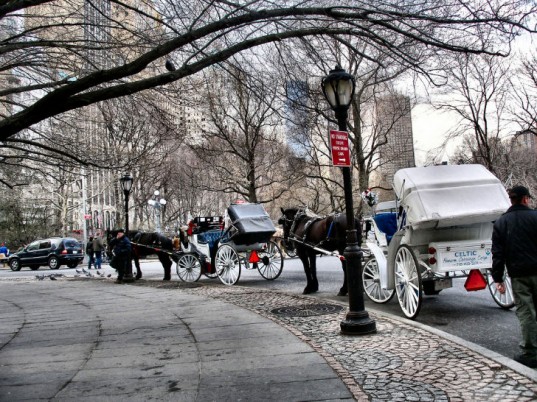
{"type": "Point", "coordinates": [339, 145]}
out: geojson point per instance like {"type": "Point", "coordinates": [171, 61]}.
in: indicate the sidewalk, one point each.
{"type": "Point", "coordinates": [89, 339]}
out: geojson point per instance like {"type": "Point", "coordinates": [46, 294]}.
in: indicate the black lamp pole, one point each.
{"type": "Point", "coordinates": [338, 88]}
{"type": "Point", "coordinates": [126, 186]}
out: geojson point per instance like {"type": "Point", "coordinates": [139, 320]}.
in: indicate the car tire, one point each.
{"type": "Point", "coordinates": [54, 262]}
{"type": "Point", "coordinates": [34, 267]}
{"type": "Point", "coordinates": [15, 265]}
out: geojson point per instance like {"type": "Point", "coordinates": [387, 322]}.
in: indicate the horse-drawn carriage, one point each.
{"type": "Point", "coordinates": [440, 229]}
{"type": "Point", "coordinates": [221, 247]}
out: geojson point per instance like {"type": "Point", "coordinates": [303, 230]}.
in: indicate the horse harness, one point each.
{"type": "Point", "coordinates": [300, 215]}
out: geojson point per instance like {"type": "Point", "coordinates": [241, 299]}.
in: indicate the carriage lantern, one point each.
{"type": "Point", "coordinates": [338, 88]}
{"type": "Point", "coordinates": [126, 185]}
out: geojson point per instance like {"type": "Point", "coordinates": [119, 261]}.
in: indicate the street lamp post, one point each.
{"type": "Point", "coordinates": [157, 203]}
{"type": "Point", "coordinates": [338, 88]}
{"type": "Point", "coordinates": [126, 185]}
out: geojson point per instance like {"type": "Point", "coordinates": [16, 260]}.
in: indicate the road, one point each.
{"type": "Point", "coordinates": [473, 316]}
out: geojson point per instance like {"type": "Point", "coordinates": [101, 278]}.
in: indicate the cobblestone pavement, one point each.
{"type": "Point", "coordinates": [398, 363]}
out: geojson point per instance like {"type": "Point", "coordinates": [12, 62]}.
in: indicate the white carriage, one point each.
{"type": "Point", "coordinates": [439, 228]}
{"type": "Point", "coordinates": [222, 250]}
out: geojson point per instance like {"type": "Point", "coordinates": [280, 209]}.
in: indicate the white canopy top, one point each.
{"type": "Point", "coordinates": [449, 195]}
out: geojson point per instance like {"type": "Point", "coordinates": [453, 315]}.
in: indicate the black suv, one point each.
{"type": "Point", "coordinates": [52, 252]}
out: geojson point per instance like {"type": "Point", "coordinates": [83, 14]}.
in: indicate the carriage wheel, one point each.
{"type": "Point", "coordinates": [271, 264]}
{"type": "Point", "coordinates": [188, 268]}
{"type": "Point", "coordinates": [371, 282]}
{"type": "Point", "coordinates": [408, 282]}
{"type": "Point", "coordinates": [228, 265]}
{"type": "Point", "coordinates": [505, 301]}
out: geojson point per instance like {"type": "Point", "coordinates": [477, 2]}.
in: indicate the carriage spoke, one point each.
{"type": "Point", "coordinates": [271, 264]}
{"type": "Point", "coordinates": [188, 268]}
{"type": "Point", "coordinates": [407, 282]}
{"type": "Point", "coordinates": [228, 265]}
{"type": "Point", "coordinates": [505, 301]}
{"type": "Point", "coordinates": [371, 283]}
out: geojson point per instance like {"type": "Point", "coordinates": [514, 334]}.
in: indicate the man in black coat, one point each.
{"type": "Point", "coordinates": [514, 245]}
{"type": "Point", "coordinates": [122, 254]}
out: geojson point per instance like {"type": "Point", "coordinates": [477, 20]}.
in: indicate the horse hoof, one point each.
{"type": "Point", "coordinates": [342, 293]}
{"type": "Point", "coordinates": [308, 291]}
{"type": "Point", "coordinates": [167, 279]}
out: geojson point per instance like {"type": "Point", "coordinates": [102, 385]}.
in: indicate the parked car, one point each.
{"type": "Point", "coordinates": [53, 252]}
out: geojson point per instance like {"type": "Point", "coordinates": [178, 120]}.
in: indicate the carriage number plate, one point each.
{"type": "Point", "coordinates": [465, 259]}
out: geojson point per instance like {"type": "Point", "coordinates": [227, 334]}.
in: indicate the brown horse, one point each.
{"type": "Point", "coordinates": [308, 233]}
{"type": "Point", "coordinates": [148, 243]}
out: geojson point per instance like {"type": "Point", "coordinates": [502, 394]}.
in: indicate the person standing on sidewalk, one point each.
{"type": "Point", "coordinates": [122, 254]}
{"type": "Point", "coordinates": [98, 248]}
{"type": "Point", "coordinates": [89, 252]}
{"type": "Point", "coordinates": [4, 254]}
{"type": "Point", "coordinates": [514, 245]}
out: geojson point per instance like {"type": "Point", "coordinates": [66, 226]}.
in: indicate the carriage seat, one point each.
{"type": "Point", "coordinates": [387, 224]}
{"type": "Point", "coordinates": [210, 237]}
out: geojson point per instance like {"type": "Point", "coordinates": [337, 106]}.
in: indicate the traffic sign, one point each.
{"type": "Point", "coordinates": [87, 216]}
{"type": "Point", "coordinates": [339, 145]}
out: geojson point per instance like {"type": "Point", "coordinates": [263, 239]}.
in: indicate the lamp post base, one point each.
{"type": "Point", "coordinates": [358, 323]}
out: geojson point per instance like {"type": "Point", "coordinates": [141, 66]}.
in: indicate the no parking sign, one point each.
{"type": "Point", "coordinates": [339, 144]}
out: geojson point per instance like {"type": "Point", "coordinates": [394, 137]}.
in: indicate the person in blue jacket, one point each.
{"type": "Point", "coordinates": [122, 254]}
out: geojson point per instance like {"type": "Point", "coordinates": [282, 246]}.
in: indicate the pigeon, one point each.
{"type": "Point", "coordinates": [40, 277]}
{"type": "Point", "coordinates": [169, 65]}
{"type": "Point", "coordinates": [109, 275]}
{"type": "Point", "coordinates": [99, 273]}
{"type": "Point", "coordinates": [78, 271]}
{"type": "Point", "coordinates": [83, 270]}
{"type": "Point", "coordinates": [52, 278]}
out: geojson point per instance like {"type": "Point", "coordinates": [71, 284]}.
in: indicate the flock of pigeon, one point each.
{"type": "Point", "coordinates": [79, 273]}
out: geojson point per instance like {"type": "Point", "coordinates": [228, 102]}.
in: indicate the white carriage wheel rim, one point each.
{"type": "Point", "coordinates": [507, 300]}
{"type": "Point", "coordinates": [275, 265]}
{"type": "Point", "coordinates": [371, 282]}
{"type": "Point", "coordinates": [406, 272]}
{"type": "Point", "coordinates": [188, 268]}
{"type": "Point", "coordinates": [228, 265]}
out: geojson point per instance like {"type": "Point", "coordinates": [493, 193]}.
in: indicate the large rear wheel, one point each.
{"type": "Point", "coordinates": [188, 268]}
{"type": "Point", "coordinates": [506, 300]}
{"type": "Point", "coordinates": [228, 265]}
{"type": "Point", "coordinates": [271, 264]}
{"type": "Point", "coordinates": [371, 282]}
{"type": "Point", "coordinates": [408, 282]}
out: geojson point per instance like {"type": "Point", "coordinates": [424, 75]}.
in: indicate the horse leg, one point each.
{"type": "Point", "coordinates": [313, 269]}
{"type": "Point", "coordinates": [344, 289]}
{"type": "Point", "coordinates": [311, 285]}
{"type": "Point", "coordinates": [167, 265]}
{"type": "Point", "coordinates": [137, 265]}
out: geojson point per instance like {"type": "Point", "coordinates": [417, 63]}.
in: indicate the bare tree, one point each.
{"type": "Point", "coordinates": [241, 147]}
{"type": "Point", "coordinates": [525, 106]}
{"type": "Point", "coordinates": [58, 56]}
{"type": "Point", "coordinates": [478, 93]}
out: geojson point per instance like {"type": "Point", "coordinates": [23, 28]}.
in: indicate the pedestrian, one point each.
{"type": "Point", "coordinates": [514, 245]}
{"type": "Point", "coordinates": [89, 252]}
{"type": "Point", "coordinates": [98, 248]}
{"type": "Point", "coordinates": [4, 254]}
{"type": "Point", "coordinates": [122, 254]}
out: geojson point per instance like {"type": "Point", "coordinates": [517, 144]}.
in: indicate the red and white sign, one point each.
{"type": "Point", "coordinates": [87, 216]}
{"type": "Point", "coordinates": [339, 144]}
